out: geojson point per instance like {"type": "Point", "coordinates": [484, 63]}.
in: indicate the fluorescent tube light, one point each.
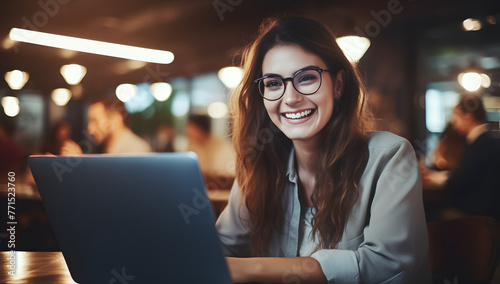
{"type": "Point", "coordinates": [92, 46]}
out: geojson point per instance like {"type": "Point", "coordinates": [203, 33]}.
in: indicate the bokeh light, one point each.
{"type": "Point", "coordinates": [61, 96]}
{"type": "Point", "coordinates": [471, 81]}
{"type": "Point", "coordinates": [125, 92]}
{"type": "Point", "coordinates": [16, 79]}
{"type": "Point", "coordinates": [230, 76]}
{"type": "Point", "coordinates": [73, 73]}
{"type": "Point", "coordinates": [217, 110]}
{"type": "Point", "coordinates": [10, 106]}
{"type": "Point", "coordinates": [161, 91]}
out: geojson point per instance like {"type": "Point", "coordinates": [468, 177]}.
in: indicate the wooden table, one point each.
{"type": "Point", "coordinates": [219, 198]}
{"type": "Point", "coordinates": [34, 267]}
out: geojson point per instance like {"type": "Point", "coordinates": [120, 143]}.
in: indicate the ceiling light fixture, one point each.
{"type": "Point", "coordinates": [231, 76]}
{"type": "Point", "coordinates": [73, 73]}
{"type": "Point", "coordinates": [354, 47]}
{"type": "Point", "coordinates": [92, 46]}
{"type": "Point", "coordinates": [61, 96]}
{"type": "Point", "coordinates": [125, 92]}
{"type": "Point", "coordinates": [161, 91]}
{"type": "Point", "coordinates": [16, 79]}
{"type": "Point", "coordinates": [471, 24]}
{"type": "Point", "coordinates": [10, 106]}
{"type": "Point", "coordinates": [471, 81]}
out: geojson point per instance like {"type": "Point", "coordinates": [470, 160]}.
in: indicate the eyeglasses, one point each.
{"type": "Point", "coordinates": [306, 81]}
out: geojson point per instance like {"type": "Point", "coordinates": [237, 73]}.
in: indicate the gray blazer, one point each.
{"type": "Point", "coordinates": [385, 239]}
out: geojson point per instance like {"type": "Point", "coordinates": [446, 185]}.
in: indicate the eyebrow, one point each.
{"type": "Point", "coordinates": [303, 68]}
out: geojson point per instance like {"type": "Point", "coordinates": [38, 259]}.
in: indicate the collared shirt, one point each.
{"type": "Point", "coordinates": [385, 238]}
{"type": "Point", "coordinates": [475, 132]}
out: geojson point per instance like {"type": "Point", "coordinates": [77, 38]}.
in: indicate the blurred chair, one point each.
{"type": "Point", "coordinates": [464, 250]}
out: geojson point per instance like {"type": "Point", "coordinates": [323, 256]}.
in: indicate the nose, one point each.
{"type": "Point", "coordinates": [91, 129]}
{"type": "Point", "coordinates": [291, 96]}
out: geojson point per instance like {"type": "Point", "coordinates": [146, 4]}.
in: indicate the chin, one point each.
{"type": "Point", "coordinates": [293, 135]}
{"type": "Point", "coordinates": [98, 140]}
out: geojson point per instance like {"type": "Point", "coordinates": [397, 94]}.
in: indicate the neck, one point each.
{"type": "Point", "coordinates": [472, 126]}
{"type": "Point", "coordinates": [306, 154]}
{"type": "Point", "coordinates": [474, 132]}
{"type": "Point", "coordinates": [114, 137]}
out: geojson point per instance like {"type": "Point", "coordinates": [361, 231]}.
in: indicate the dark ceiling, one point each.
{"type": "Point", "coordinates": [204, 35]}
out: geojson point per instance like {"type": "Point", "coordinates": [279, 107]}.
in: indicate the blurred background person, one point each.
{"type": "Point", "coordinates": [11, 155]}
{"type": "Point", "coordinates": [450, 149]}
{"type": "Point", "coordinates": [58, 136]}
{"type": "Point", "coordinates": [108, 125]}
{"type": "Point", "coordinates": [57, 142]}
{"type": "Point", "coordinates": [446, 157]}
{"type": "Point", "coordinates": [216, 155]}
{"type": "Point", "coordinates": [473, 188]}
{"type": "Point", "coordinates": [164, 139]}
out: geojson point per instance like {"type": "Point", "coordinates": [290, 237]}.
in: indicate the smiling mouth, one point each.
{"type": "Point", "coordinates": [299, 114]}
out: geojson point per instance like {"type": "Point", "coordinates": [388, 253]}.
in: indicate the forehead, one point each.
{"type": "Point", "coordinates": [457, 111]}
{"type": "Point", "coordinates": [285, 60]}
{"type": "Point", "coordinates": [96, 109]}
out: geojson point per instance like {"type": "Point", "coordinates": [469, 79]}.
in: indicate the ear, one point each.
{"type": "Point", "coordinates": [339, 84]}
{"type": "Point", "coordinates": [116, 117]}
{"type": "Point", "coordinates": [468, 116]}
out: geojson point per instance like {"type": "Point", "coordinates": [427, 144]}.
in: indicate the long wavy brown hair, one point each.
{"type": "Point", "coordinates": [263, 150]}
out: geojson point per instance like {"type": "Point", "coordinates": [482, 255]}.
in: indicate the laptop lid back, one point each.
{"type": "Point", "coordinates": [131, 219]}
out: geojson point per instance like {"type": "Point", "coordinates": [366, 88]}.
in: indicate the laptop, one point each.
{"type": "Point", "coordinates": [131, 219]}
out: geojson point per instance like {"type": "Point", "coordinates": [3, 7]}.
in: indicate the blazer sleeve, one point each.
{"type": "Point", "coordinates": [470, 170]}
{"type": "Point", "coordinates": [233, 225]}
{"type": "Point", "coordinates": [395, 245]}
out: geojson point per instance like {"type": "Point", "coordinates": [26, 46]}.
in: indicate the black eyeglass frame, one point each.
{"type": "Point", "coordinates": [319, 70]}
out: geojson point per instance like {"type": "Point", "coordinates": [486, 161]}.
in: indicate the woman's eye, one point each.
{"type": "Point", "coordinates": [306, 78]}
{"type": "Point", "coordinates": [273, 84]}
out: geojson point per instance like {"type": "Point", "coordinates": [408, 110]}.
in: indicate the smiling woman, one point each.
{"type": "Point", "coordinates": [317, 197]}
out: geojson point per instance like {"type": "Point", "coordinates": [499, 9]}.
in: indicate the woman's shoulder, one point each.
{"type": "Point", "coordinates": [382, 139]}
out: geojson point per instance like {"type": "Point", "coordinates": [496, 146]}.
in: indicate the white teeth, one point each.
{"type": "Point", "coordinates": [298, 115]}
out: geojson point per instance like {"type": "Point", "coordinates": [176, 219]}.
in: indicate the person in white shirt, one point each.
{"type": "Point", "coordinates": [109, 128]}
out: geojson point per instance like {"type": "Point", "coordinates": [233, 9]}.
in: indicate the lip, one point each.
{"type": "Point", "coordinates": [298, 121]}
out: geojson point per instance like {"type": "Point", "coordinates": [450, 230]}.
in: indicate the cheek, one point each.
{"type": "Point", "coordinates": [326, 100]}
{"type": "Point", "coordinates": [91, 126]}
{"type": "Point", "coordinates": [97, 125]}
{"type": "Point", "coordinates": [271, 108]}
{"type": "Point", "coordinates": [104, 124]}
{"type": "Point", "coordinates": [330, 102]}
{"type": "Point", "coordinates": [327, 104]}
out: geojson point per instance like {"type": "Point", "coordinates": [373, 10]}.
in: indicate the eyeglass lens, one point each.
{"type": "Point", "coordinates": [305, 82]}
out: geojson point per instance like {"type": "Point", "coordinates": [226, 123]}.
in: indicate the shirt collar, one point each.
{"type": "Point", "coordinates": [476, 132]}
{"type": "Point", "coordinates": [290, 172]}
